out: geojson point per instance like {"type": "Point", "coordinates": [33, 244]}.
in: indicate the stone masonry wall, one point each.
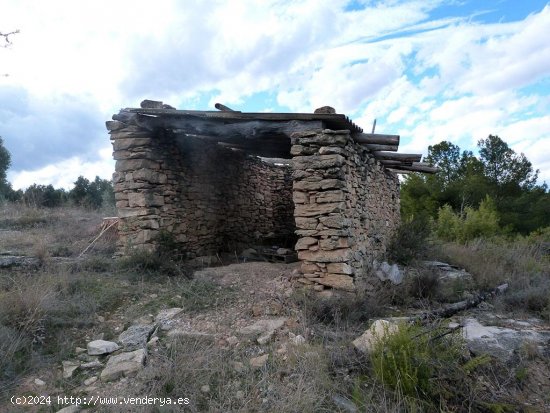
{"type": "Point", "coordinates": [210, 198]}
{"type": "Point", "coordinates": [346, 209]}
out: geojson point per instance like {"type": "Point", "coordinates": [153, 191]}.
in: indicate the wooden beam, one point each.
{"type": "Point", "coordinates": [417, 167]}
{"type": "Point", "coordinates": [375, 147]}
{"type": "Point", "coordinates": [390, 162]}
{"type": "Point", "coordinates": [407, 157]}
{"type": "Point", "coordinates": [223, 108]}
{"type": "Point", "coordinates": [376, 138]}
{"type": "Point", "coordinates": [399, 171]}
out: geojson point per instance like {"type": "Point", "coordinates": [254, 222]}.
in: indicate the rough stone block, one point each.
{"type": "Point", "coordinates": [145, 199]}
{"type": "Point", "coordinates": [322, 139]}
{"type": "Point", "coordinates": [327, 150]}
{"type": "Point", "coordinates": [335, 221]}
{"type": "Point", "coordinates": [130, 143]}
{"type": "Point", "coordinates": [341, 255]}
{"type": "Point", "coordinates": [334, 243]}
{"type": "Point", "coordinates": [129, 165]}
{"type": "Point", "coordinates": [330, 196]}
{"type": "Point", "coordinates": [317, 161]}
{"type": "Point", "coordinates": [339, 268]}
{"type": "Point", "coordinates": [305, 242]}
{"type": "Point", "coordinates": [311, 210]}
{"type": "Point", "coordinates": [300, 197]}
{"type": "Point", "coordinates": [306, 223]}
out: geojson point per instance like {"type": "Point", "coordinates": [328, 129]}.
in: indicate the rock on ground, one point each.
{"type": "Point", "coordinates": [124, 364]}
{"type": "Point", "coordinates": [500, 342]}
{"type": "Point", "coordinates": [378, 330]}
{"type": "Point", "coordinates": [259, 362]}
{"type": "Point", "coordinates": [136, 336]}
{"type": "Point", "coordinates": [69, 368]}
{"type": "Point", "coordinates": [100, 347]}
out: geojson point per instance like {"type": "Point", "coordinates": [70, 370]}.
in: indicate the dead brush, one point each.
{"type": "Point", "coordinates": [519, 262]}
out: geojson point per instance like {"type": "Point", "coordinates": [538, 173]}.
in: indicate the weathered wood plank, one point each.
{"type": "Point", "coordinates": [411, 157]}
{"type": "Point", "coordinates": [375, 147]}
{"type": "Point", "coordinates": [389, 162]}
{"type": "Point", "coordinates": [223, 108]}
{"type": "Point", "coordinates": [416, 167]}
{"type": "Point", "coordinates": [376, 138]}
{"type": "Point", "coordinates": [248, 129]}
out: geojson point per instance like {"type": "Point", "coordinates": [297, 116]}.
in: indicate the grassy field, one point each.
{"type": "Point", "coordinates": [60, 302]}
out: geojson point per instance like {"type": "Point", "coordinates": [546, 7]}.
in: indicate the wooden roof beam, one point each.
{"type": "Point", "coordinates": [404, 157]}
{"type": "Point", "coordinates": [376, 138]}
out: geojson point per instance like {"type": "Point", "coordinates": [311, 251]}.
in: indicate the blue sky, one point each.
{"type": "Point", "coordinates": [428, 70]}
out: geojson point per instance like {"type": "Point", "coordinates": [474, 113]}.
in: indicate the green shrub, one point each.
{"type": "Point", "coordinates": [410, 241]}
{"type": "Point", "coordinates": [482, 222]}
{"type": "Point", "coordinates": [448, 224]}
{"type": "Point", "coordinates": [417, 363]}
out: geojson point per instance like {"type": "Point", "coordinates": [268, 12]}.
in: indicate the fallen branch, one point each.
{"type": "Point", "coordinates": [454, 308]}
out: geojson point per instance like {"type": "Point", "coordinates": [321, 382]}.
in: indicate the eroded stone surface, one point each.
{"type": "Point", "coordinates": [100, 347]}
{"type": "Point", "coordinates": [123, 365]}
{"type": "Point", "coordinates": [136, 336]}
{"type": "Point", "coordinates": [501, 342]}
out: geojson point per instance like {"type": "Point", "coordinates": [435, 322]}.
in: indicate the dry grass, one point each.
{"type": "Point", "coordinates": [523, 263]}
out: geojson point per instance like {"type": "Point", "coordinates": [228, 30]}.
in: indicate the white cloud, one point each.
{"type": "Point", "coordinates": [63, 174]}
{"type": "Point", "coordinates": [76, 63]}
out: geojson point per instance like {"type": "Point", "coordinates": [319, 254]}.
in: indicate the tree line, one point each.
{"type": "Point", "coordinates": [493, 193]}
{"type": "Point", "coordinates": [85, 193]}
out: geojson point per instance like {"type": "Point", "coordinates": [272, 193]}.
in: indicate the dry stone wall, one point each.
{"type": "Point", "coordinates": [208, 197]}
{"type": "Point", "coordinates": [346, 209]}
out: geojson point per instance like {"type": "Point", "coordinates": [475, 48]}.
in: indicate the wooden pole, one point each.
{"type": "Point", "coordinates": [376, 138]}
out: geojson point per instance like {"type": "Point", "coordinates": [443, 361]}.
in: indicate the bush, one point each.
{"type": "Point", "coordinates": [476, 223]}
{"type": "Point", "coordinates": [448, 224]}
{"type": "Point", "coordinates": [418, 363]}
{"type": "Point", "coordinates": [337, 311]}
{"type": "Point", "coordinates": [425, 284]}
{"type": "Point", "coordinates": [410, 241]}
{"type": "Point", "coordinates": [482, 222]}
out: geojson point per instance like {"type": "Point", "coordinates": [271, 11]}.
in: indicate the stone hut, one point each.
{"type": "Point", "coordinates": [226, 180]}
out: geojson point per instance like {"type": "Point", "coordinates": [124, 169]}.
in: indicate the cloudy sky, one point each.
{"type": "Point", "coordinates": [429, 70]}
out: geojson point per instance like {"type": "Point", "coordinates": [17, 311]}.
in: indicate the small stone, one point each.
{"type": "Point", "coordinates": [100, 318]}
{"type": "Point", "coordinates": [239, 395]}
{"type": "Point", "coordinates": [238, 366]}
{"type": "Point", "coordinates": [378, 330]}
{"type": "Point", "coordinates": [165, 317]}
{"type": "Point", "coordinates": [263, 326]}
{"type": "Point", "coordinates": [232, 341]}
{"type": "Point", "coordinates": [69, 368]}
{"type": "Point", "coordinates": [298, 340]}
{"type": "Point", "coordinates": [266, 338]}
{"type": "Point", "coordinates": [39, 382]}
{"type": "Point", "coordinates": [136, 336]}
{"type": "Point", "coordinates": [259, 362]}
{"type": "Point", "coordinates": [153, 342]}
{"type": "Point", "coordinates": [79, 350]}
{"type": "Point", "coordinates": [91, 365]}
{"type": "Point", "coordinates": [89, 381]}
{"type": "Point", "coordinates": [144, 319]}
{"type": "Point", "coordinates": [205, 388]}
{"type": "Point", "coordinates": [99, 347]}
{"type": "Point", "coordinates": [70, 409]}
